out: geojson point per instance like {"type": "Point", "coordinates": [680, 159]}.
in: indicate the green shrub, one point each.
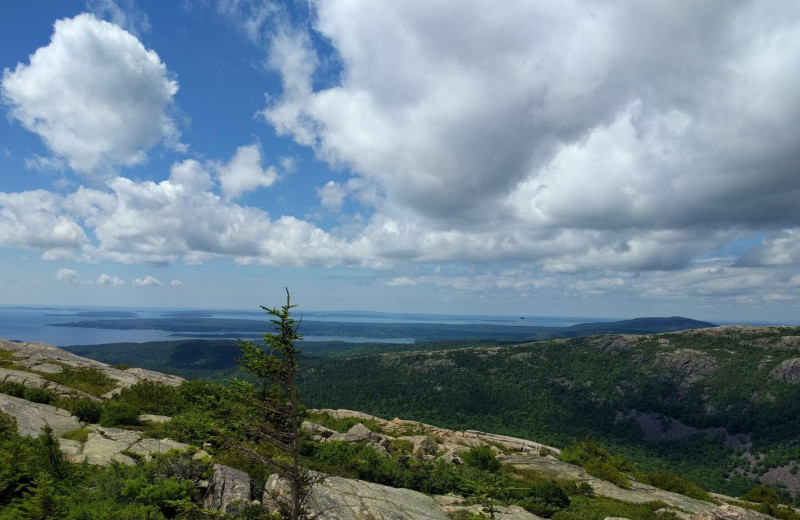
{"type": "Point", "coordinates": [482, 458]}
{"type": "Point", "coordinates": [190, 427]}
{"type": "Point", "coordinates": [8, 425]}
{"type": "Point", "coordinates": [12, 388]}
{"type": "Point", "coordinates": [762, 495]}
{"type": "Point", "coordinates": [86, 410]}
{"type": "Point", "coordinates": [546, 499]}
{"type": "Point", "coordinates": [39, 395]}
{"type": "Point", "coordinates": [151, 397]}
{"type": "Point", "coordinates": [81, 434]}
{"type": "Point", "coordinates": [344, 424]}
{"type": "Point", "coordinates": [677, 484]}
{"type": "Point", "coordinates": [599, 463]}
{"type": "Point", "coordinates": [116, 413]}
{"type": "Point", "coordinates": [86, 379]}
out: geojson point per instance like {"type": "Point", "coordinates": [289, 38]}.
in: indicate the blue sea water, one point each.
{"type": "Point", "coordinates": [37, 323]}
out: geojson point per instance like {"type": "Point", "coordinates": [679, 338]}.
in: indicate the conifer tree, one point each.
{"type": "Point", "coordinates": [275, 397]}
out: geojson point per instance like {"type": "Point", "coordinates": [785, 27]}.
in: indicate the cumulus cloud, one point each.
{"type": "Point", "coordinates": [243, 172]}
{"type": "Point", "coordinates": [175, 283]}
{"type": "Point", "coordinates": [105, 279]}
{"type": "Point", "coordinates": [94, 94]}
{"type": "Point", "coordinates": [147, 281]}
{"type": "Point", "coordinates": [121, 12]}
{"type": "Point", "coordinates": [38, 219]}
{"type": "Point", "coordinates": [67, 275]}
{"type": "Point", "coordinates": [613, 124]}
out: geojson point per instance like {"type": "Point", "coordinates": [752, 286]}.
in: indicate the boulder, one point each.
{"type": "Point", "coordinates": [228, 490]}
{"type": "Point", "coordinates": [106, 444]}
{"type": "Point", "coordinates": [424, 446]}
{"type": "Point", "coordinates": [788, 371]}
{"type": "Point", "coordinates": [154, 419]}
{"type": "Point", "coordinates": [32, 417]}
{"type": "Point", "coordinates": [728, 512]}
{"type": "Point", "coordinates": [99, 450]}
{"type": "Point", "coordinates": [337, 498]}
{"type": "Point", "coordinates": [318, 432]}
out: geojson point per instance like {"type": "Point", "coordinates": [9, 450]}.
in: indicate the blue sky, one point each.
{"type": "Point", "coordinates": [617, 159]}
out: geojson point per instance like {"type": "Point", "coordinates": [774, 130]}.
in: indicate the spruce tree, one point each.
{"type": "Point", "coordinates": [274, 396]}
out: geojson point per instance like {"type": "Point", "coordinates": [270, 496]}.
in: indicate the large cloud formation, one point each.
{"type": "Point", "coordinates": [534, 117]}
{"type": "Point", "coordinates": [591, 148]}
{"type": "Point", "coordinates": [95, 95]}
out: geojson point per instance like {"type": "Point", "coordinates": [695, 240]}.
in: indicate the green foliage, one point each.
{"type": "Point", "coordinates": [152, 397]}
{"type": "Point", "coordinates": [13, 389]}
{"type": "Point", "coordinates": [86, 379]}
{"type": "Point", "coordinates": [39, 395]}
{"type": "Point", "coordinates": [763, 495]}
{"type": "Point", "coordinates": [118, 413]}
{"type": "Point", "coordinates": [546, 499]}
{"type": "Point", "coordinates": [86, 410]}
{"type": "Point", "coordinates": [48, 454]}
{"type": "Point", "coordinates": [599, 508]}
{"type": "Point", "coordinates": [8, 425]}
{"type": "Point", "coordinates": [598, 462]}
{"type": "Point", "coordinates": [41, 501]}
{"type": "Point", "coordinates": [343, 424]}
{"type": "Point", "coordinates": [677, 484]}
{"type": "Point", "coordinates": [80, 435]}
{"type": "Point", "coordinates": [363, 462]}
{"type": "Point", "coordinates": [192, 427]}
{"type": "Point", "coordinates": [481, 457]}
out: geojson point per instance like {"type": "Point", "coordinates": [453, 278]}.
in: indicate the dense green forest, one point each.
{"type": "Point", "coordinates": [717, 384]}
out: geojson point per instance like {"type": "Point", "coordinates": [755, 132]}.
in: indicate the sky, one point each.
{"type": "Point", "coordinates": [531, 157]}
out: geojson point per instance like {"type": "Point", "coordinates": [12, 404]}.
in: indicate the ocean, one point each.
{"type": "Point", "coordinates": [27, 323]}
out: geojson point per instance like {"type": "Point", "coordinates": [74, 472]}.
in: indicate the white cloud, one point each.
{"type": "Point", "coordinates": [37, 219]}
{"type": "Point", "coordinates": [175, 283]}
{"type": "Point", "coordinates": [67, 275]}
{"type": "Point", "coordinates": [105, 279]}
{"type": "Point", "coordinates": [586, 119]}
{"type": "Point", "coordinates": [121, 12]}
{"type": "Point", "coordinates": [147, 281]}
{"type": "Point", "coordinates": [243, 172]}
{"type": "Point", "coordinates": [95, 95]}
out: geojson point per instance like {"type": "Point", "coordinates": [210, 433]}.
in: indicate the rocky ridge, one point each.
{"type": "Point", "coordinates": [333, 498]}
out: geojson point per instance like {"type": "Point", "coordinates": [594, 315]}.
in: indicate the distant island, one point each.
{"type": "Point", "coordinates": [186, 324]}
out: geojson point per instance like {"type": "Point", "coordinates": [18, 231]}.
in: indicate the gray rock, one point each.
{"type": "Point", "coordinates": [32, 380]}
{"type": "Point", "coordinates": [100, 450]}
{"type": "Point", "coordinates": [35, 355]}
{"type": "Point", "coordinates": [147, 447]}
{"type": "Point", "coordinates": [229, 489]}
{"type": "Point", "coordinates": [337, 498]}
{"type": "Point", "coordinates": [358, 433]}
{"type": "Point", "coordinates": [788, 371]}
{"type": "Point", "coordinates": [318, 432]}
{"type": "Point", "coordinates": [423, 445]}
{"type": "Point", "coordinates": [154, 419]}
{"type": "Point", "coordinates": [48, 368]}
{"type": "Point", "coordinates": [32, 417]}
{"type": "Point", "coordinates": [638, 494]}
{"type": "Point", "coordinates": [728, 512]}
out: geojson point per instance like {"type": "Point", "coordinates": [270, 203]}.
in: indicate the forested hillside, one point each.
{"type": "Point", "coordinates": [719, 405]}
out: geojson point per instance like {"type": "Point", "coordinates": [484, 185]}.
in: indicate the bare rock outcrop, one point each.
{"type": "Point", "coordinates": [729, 512]}
{"type": "Point", "coordinates": [228, 490]}
{"type": "Point", "coordinates": [32, 417]}
{"type": "Point", "coordinates": [44, 358]}
{"type": "Point", "coordinates": [337, 498]}
{"type": "Point", "coordinates": [33, 380]}
{"type": "Point", "coordinates": [788, 371]}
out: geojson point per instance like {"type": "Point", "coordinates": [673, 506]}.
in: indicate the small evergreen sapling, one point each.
{"type": "Point", "coordinates": [275, 400]}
